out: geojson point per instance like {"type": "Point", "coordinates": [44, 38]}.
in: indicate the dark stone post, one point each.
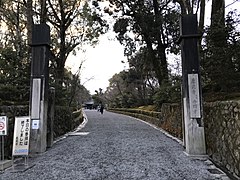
{"type": "Point", "coordinates": [39, 87]}
{"type": "Point", "coordinates": [194, 137]}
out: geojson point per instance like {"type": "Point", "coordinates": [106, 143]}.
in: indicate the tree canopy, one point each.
{"type": "Point", "coordinates": [72, 23]}
{"type": "Point", "coordinates": [154, 27]}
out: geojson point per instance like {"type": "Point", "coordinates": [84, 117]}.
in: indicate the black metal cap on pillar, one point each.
{"type": "Point", "coordinates": [188, 25]}
{"type": "Point", "coordinates": [40, 50]}
{"type": "Point", "coordinates": [40, 35]}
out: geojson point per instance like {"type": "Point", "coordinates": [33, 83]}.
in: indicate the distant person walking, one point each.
{"type": "Point", "coordinates": [101, 108]}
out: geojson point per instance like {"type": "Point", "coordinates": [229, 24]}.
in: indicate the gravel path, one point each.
{"type": "Point", "coordinates": [114, 147]}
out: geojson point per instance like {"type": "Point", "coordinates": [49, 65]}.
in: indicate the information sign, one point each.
{"type": "Point", "coordinates": [3, 125]}
{"type": "Point", "coordinates": [35, 124]}
{"type": "Point", "coordinates": [21, 136]}
{"type": "Point", "coordinates": [36, 90]}
{"type": "Point", "coordinates": [194, 98]}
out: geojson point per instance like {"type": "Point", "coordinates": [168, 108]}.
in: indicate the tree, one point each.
{"type": "Point", "coordinates": [220, 65]}
{"type": "Point", "coordinates": [149, 24]}
{"type": "Point", "coordinates": [169, 93]}
{"type": "Point", "coordinates": [72, 93]}
{"type": "Point", "coordinates": [14, 64]}
{"type": "Point", "coordinates": [114, 93]}
{"type": "Point", "coordinates": [138, 87]}
{"type": "Point", "coordinates": [193, 7]}
{"type": "Point", "coordinates": [14, 85]}
{"type": "Point", "coordinates": [99, 98]}
{"type": "Point", "coordinates": [73, 23]}
{"type": "Point", "coordinates": [142, 76]}
{"type": "Point", "coordinates": [130, 88]}
{"type": "Point", "coordinates": [29, 14]}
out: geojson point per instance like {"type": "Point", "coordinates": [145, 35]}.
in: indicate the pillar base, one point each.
{"type": "Point", "coordinates": [5, 164]}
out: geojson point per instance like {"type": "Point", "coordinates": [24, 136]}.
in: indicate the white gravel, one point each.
{"type": "Point", "coordinates": [114, 147]}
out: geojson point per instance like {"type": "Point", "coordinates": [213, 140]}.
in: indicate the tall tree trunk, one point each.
{"type": "Point", "coordinates": [154, 60]}
{"type": "Point", "coordinates": [218, 13]}
{"type": "Point", "coordinates": [43, 16]}
{"type": "Point", "coordinates": [29, 21]}
{"type": "Point", "coordinates": [202, 16]}
{"type": "Point", "coordinates": [185, 6]}
{"type": "Point", "coordinates": [218, 23]}
{"type": "Point", "coordinates": [62, 53]}
{"type": "Point", "coordinates": [222, 67]}
{"type": "Point", "coordinates": [161, 45]}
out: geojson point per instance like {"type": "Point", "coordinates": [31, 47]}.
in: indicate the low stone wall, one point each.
{"type": "Point", "coordinates": [148, 116]}
{"type": "Point", "coordinates": [222, 130]}
{"type": "Point", "coordinates": [172, 119]}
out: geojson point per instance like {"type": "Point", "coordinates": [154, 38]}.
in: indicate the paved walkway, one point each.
{"type": "Point", "coordinates": [115, 147]}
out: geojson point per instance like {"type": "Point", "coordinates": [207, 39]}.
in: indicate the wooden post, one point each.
{"type": "Point", "coordinates": [194, 137]}
{"type": "Point", "coordinates": [50, 123]}
{"type": "Point", "coordinates": [39, 87]}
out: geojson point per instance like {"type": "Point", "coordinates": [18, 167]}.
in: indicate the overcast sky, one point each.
{"type": "Point", "coordinates": [100, 63]}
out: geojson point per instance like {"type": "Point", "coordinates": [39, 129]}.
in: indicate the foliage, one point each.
{"type": "Point", "coordinates": [72, 24]}
{"type": "Point", "coordinates": [169, 92]}
{"type": "Point", "coordinates": [99, 98]}
{"type": "Point", "coordinates": [147, 24]}
{"type": "Point", "coordinates": [14, 64]}
{"type": "Point", "coordinates": [65, 120]}
{"type": "Point", "coordinates": [220, 63]}
{"type": "Point", "coordinates": [128, 89]}
{"type": "Point", "coordinates": [131, 89]}
{"type": "Point", "coordinates": [13, 83]}
{"type": "Point", "coordinates": [72, 93]}
{"type": "Point", "coordinates": [219, 57]}
{"type": "Point", "coordinates": [117, 91]}
{"type": "Point", "coordinates": [148, 108]}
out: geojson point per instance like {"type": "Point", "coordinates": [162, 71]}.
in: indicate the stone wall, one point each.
{"type": "Point", "coordinates": [222, 130]}
{"type": "Point", "coordinates": [172, 119]}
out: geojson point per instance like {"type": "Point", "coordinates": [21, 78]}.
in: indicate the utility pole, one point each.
{"type": "Point", "coordinates": [194, 137]}
{"type": "Point", "coordinates": [39, 87]}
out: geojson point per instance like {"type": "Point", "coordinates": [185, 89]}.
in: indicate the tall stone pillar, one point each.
{"type": "Point", "coordinates": [194, 137]}
{"type": "Point", "coordinates": [39, 87]}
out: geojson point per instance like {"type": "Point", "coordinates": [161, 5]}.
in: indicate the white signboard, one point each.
{"type": "Point", "coordinates": [194, 98]}
{"type": "Point", "coordinates": [36, 90]}
{"type": "Point", "coordinates": [21, 136]}
{"type": "Point", "coordinates": [3, 125]}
